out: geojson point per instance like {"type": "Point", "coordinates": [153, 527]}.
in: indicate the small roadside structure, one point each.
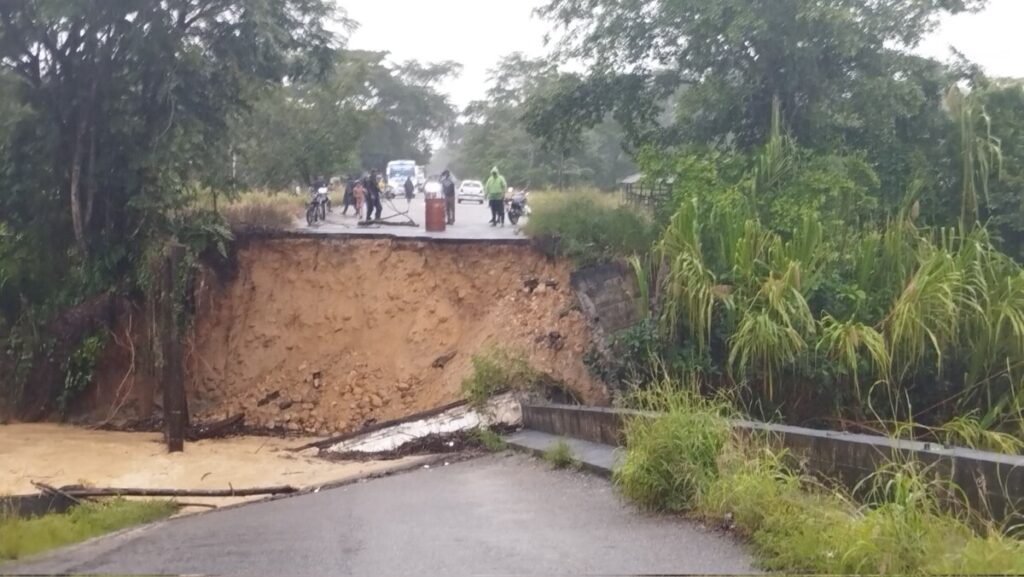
{"type": "Point", "coordinates": [642, 192]}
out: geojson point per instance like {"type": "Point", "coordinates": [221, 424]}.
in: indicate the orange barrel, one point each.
{"type": "Point", "coordinates": [436, 215]}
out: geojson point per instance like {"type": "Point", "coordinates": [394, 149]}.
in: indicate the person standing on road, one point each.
{"type": "Point", "coordinates": [359, 197]}
{"type": "Point", "coordinates": [410, 190]}
{"type": "Point", "coordinates": [349, 200]}
{"type": "Point", "coordinates": [373, 204]}
{"type": "Point", "coordinates": [495, 188]}
{"type": "Point", "coordinates": [448, 188]}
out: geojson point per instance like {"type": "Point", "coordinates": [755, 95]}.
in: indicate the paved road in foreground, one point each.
{"type": "Point", "coordinates": [471, 222]}
{"type": "Point", "coordinates": [503, 514]}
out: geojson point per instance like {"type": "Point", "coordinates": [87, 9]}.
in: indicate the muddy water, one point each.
{"type": "Point", "coordinates": [59, 455]}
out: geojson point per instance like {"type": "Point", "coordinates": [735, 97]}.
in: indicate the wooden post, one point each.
{"type": "Point", "coordinates": [175, 402]}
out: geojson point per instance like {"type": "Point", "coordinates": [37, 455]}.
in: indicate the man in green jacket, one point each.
{"type": "Point", "coordinates": [495, 188]}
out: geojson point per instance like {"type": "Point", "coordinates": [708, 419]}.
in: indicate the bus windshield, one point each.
{"type": "Point", "coordinates": [401, 172]}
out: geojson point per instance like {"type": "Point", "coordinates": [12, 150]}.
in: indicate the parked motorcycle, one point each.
{"type": "Point", "coordinates": [319, 205]}
{"type": "Point", "coordinates": [518, 207]}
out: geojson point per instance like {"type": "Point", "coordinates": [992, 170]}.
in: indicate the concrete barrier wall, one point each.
{"type": "Point", "coordinates": [992, 482]}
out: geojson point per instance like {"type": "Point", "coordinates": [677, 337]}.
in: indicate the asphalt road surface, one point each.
{"type": "Point", "coordinates": [499, 515]}
{"type": "Point", "coordinates": [471, 222]}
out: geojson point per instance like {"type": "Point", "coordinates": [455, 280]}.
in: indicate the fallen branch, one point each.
{"type": "Point", "coordinates": [217, 430]}
{"type": "Point", "coordinates": [410, 224]}
{"type": "Point", "coordinates": [81, 492]}
{"type": "Point", "coordinates": [49, 490]}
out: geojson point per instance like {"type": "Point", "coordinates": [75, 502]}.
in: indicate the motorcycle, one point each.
{"type": "Point", "coordinates": [517, 207]}
{"type": "Point", "coordinates": [319, 206]}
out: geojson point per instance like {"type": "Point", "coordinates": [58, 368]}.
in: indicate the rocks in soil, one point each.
{"type": "Point", "coordinates": [269, 399]}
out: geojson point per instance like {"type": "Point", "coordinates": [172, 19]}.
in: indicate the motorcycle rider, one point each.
{"type": "Point", "coordinates": [448, 188]}
{"type": "Point", "coordinates": [373, 192]}
{"type": "Point", "coordinates": [495, 188]}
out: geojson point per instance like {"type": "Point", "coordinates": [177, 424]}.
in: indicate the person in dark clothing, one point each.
{"type": "Point", "coordinates": [410, 190]}
{"type": "Point", "coordinates": [350, 197]}
{"type": "Point", "coordinates": [448, 188]}
{"type": "Point", "coordinates": [373, 193]}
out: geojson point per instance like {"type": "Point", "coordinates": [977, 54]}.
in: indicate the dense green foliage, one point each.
{"type": "Point", "coordinates": [845, 216]}
{"type": "Point", "coordinates": [24, 537]}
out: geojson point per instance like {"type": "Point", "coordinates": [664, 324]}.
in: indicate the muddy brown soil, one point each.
{"type": "Point", "coordinates": [327, 335]}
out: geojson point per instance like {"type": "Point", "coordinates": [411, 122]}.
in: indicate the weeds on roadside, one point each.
{"type": "Point", "coordinates": [490, 440]}
{"type": "Point", "coordinates": [560, 456]}
{"type": "Point", "coordinates": [671, 458]}
{"type": "Point", "coordinates": [905, 521]}
{"type": "Point", "coordinates": [263, 211]}
{"type": "Point", "coordinates": [494, 371]}
{"type": "Point", "coordinates": [23, 537]}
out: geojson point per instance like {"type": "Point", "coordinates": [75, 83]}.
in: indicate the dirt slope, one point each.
{"type": "Point", "coordinates": [326, 335]}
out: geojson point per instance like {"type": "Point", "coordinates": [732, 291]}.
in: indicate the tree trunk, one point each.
{"type": "Point", "coordinates": [77, 214]}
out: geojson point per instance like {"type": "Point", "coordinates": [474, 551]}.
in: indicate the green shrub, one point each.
{"type": "Point", "coordinates": [497, 370]}
{"type": "Point", "coordinates": [78, 371]}
{"type": "Point", "coordinates": [22, 537]}
{"type": "Point", "coordinates": [490, 440]}
{"type": "Point", "coordinates": [672, 458]}
{"type": "Point", "coordinates": [560, 456]}
{"type": "Point", "coordinates": [587, 229]}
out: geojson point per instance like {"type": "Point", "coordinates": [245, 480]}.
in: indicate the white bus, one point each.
{"type": "Point", "coordinates": [398, 171]}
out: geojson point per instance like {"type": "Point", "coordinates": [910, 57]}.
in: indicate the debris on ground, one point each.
{"type": "Point", "coordinates": [502, 411]}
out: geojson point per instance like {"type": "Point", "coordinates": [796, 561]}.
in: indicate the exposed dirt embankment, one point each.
{"type": "Point", "coordinates": [327, 335]}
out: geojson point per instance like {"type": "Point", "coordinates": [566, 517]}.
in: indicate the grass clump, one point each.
{"type": "Point", "coordinates": [494, 371]}
{"type": "Point", "coordinates": [560, 456]}
{"type": "Point", "coordinates": [263, 211]}
{"type": "Point", "coordinates": [587, 228]}
{"type": "Point", "coordinates": [23, 537]}
{"type": "Point", "coordinates": [490, 440]}
{"type": "Point", "coordinates": [673, 458]}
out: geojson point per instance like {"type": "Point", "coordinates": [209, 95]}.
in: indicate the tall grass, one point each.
{"type": "Point", "coordinates": [258, 210]}
{"type": "Point", "coordinates": [906, 312]}
{"type": "Point", "coordinates": [588, 227]}
{"type": "Point", "coordinates": [671, 459]}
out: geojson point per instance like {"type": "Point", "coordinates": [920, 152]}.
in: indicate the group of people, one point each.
{"type": "Point", "coordinates": [366, 193]}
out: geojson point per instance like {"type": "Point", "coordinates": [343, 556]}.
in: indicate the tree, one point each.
{"type": "Point", "coordinates": [308, 129]}
{"type": "Point", "coordinates": [841, 70]}
{"type": "Point", "coordinates": [497, 132]}
{"type": "Point", "coordinates": [130, 98]}
{"type": "Point", "coordinates": [409, 111]}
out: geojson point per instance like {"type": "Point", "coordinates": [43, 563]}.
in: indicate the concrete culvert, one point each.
{"type": "Point", "coordinates": [327, 336]}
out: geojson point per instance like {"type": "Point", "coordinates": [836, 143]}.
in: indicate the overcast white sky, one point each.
{"type": "Point", "coordinates": [479, 32]}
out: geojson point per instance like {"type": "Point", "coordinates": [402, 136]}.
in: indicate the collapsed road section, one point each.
{"type": "Point", "coordinates": [330, 335]}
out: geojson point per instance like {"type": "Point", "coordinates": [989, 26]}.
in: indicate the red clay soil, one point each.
{"type": "Point", "coordinates": [327, 335]}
